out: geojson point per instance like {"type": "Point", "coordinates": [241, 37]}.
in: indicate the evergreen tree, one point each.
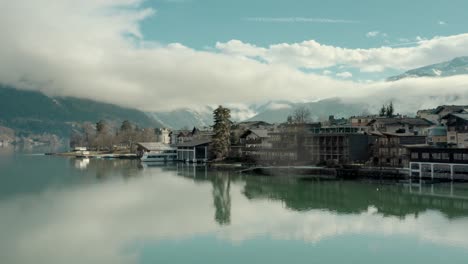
{"type": "Point", "coordinates": [222, 132]}
{"type": "Point", "coordinates": [383, 111]}
{"type": "Point", "coordinates": [101, 126]}
{"type": "Point", "coordinates": [390, 110]}
{"type": "Point", "coordinates": [126, 126]}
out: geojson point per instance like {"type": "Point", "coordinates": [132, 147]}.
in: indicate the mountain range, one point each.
{"type": "Point", "coordinates": [30, 112]}
{"type": "Point", "coordinates": [272, 112]}
{"type": "Point", "coordinates": [457, 66]}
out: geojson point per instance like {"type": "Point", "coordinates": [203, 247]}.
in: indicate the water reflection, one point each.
{"type": "Point", "coordinates": [81, 164]}
{"type": "Point", "coordinates": [222, 199]}
{"type": "Point", "coordinates": [357, 197]}
{"type": "Point", "coordinates": [131, 206]}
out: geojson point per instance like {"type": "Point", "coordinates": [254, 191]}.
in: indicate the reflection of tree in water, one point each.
{"type": "Point", "coordinates": [222, 198]}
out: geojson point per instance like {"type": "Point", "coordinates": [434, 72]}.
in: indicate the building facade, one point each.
{"type": "Point", "coordinates": [439, 163]}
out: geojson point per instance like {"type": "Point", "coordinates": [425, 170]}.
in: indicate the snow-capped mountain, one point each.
{"type": "Point", "coordinates": [275, 112]}
{"type": "Point", "coordinates": [456, 66]}
{"type": "Point", "coordinates": [271, 111]}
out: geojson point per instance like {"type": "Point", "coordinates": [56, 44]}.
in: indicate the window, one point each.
{"type": "Point", "coordinates": [445, 156]}
{"type": "Point", "coordinates": [465, 156]}
{"type": "Point", "coordinates": [414, 155]}
{"type": "Point", "coordinates": [425, 155]}
{"type": "Point", "coordinates": [457, 156]}
{"type": "Point", "coordinates": [436, 156]}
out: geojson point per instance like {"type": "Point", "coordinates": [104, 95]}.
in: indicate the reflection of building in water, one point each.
{"type": "Point", "coordinates": [222, 198]}
{"type": "Point", "coordinates": [357, 197]}
{"type": "Point", "coordinates": [192, 170]}
{"type": "Point", "coordinates": [81, 164]}
{"type": "Point", "coordinates": [103, 168]}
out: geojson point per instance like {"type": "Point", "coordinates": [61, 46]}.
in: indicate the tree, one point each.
{"type": "Point", "coordinates": [222, 131]}
{"type": "Point", "coordinates": [301, 115]}
{"type": "Point", "coordinates": [387, 110]}
{"type": "Point", "coordinates": [101, 126]}
{"type": "Point", "coordinates": [89, 133]}
{"type": "Point", "coordinates": [126, 126]}
{"type": "Point", "coordinates": [390, 110]}
{"type": "Point", "coordinates": [289, 120]}
{"type": "Point", "coordinates": [383, 111]}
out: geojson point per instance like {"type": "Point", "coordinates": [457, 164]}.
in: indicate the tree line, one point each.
{"type": "Point", "coordinates": [105, 136]}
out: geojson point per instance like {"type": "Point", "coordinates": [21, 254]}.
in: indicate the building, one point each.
{"type": "Point", "coordinates": [204, 133]}
{"type": "Point", "coordinates": [416, 126]}
{"type": "Point", "coordinates": [360, 121]}
{"type": "Point", "coordinates": [439, 163]}
{"type": "Point", "coordinates": [255, 138]}
{"type": "Point", "coordinates": [437, 136]}
{"type": "Point", "coordinates": [181, 136]}
{"type": "Point", "coordinates": [254, 144]}
{"type": "Point", "coordinates": [163, 135]}
{"type": "Point", "coordinates": [391, 149]}
{"type": "Point", "coordinates": [338, 145]}
{"type": "Point", "coordinates": [332, 121]}
{"type": "Point", "coordinates": [435, 115]}
{"type": "Point", "coordinates": [195, 151]}
{"type": "Point", "coordinates": [457, 129]}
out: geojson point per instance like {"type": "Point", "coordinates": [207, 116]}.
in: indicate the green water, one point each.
{"type": "Point", "coordinates": [59, 210]}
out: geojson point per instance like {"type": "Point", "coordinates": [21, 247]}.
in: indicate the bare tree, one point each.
{"type": "Point", "coordinates": [301, 115]}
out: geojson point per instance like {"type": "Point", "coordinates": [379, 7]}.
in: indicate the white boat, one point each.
{"type": "Point", "coordinates": [160, 156]}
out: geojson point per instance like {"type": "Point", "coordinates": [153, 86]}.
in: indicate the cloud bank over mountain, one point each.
{"type": "Point", "coordinates": [94, 49]}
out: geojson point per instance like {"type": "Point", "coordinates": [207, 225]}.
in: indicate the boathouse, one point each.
{"type": "Point", "coordinates": [439, 163]}
{"type": "Point", "coordinates": [197, 150]}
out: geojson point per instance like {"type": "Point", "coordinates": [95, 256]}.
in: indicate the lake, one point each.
{"type": "Point", "coordinates": [61, 210]}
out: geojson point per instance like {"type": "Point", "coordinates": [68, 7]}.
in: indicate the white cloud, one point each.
{"type": "Point", "coordinates": [94, 49]}
{"type": "Point", "coordinates": [374, 34]}
{"type": "Point", "coordinates": [344, 75]}
{"type": "Point", "coordinates": [441, 23]}
{"type": "Point", "coordinates": [298, 20]}
{"type": "Point", "coordinates": [326, 72]}
{"type": "Point", "coordinates": [311, 54]}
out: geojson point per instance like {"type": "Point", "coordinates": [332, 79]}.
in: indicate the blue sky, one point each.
{"type": "Point", "coordinates": [201, 23]}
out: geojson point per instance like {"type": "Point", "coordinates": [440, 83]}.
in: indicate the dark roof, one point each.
{"type": "Point", "coordinates": [262, 133]}
{"type": "Point", "coordinates": [461, 116]}
{"type": "Point", "coordinates": [452, 108]}
{"type": "Point", "coordinates": [405, 120]}
{"type": "Point", "coordinates": [194, 143]}
{"type": "Point", "coordinates": [254, 123]}
{"type": "Point", "coordinates": [401, 134]}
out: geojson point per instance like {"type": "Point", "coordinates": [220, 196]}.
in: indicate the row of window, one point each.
{"type": "Point", "coordinates": [439, 156]}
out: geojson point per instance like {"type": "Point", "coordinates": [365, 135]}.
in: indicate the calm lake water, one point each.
{"type": "Point", "coordinates": [60, 210]}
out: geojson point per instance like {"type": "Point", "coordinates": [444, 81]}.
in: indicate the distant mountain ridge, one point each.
{"type": "Point", "coordinates": [30, 112]}
{"type": "Point", "coordinates": [272, 112]}
{"type": "Point", "coordinates": [320, 110]}
{"type": "Point", "coordinates": [457, 66]}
